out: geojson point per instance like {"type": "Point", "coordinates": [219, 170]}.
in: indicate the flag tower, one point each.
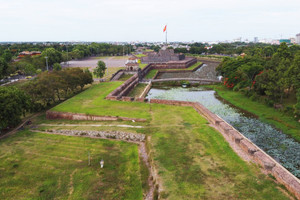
{"type": "Point", "coordinates": [165, 30]}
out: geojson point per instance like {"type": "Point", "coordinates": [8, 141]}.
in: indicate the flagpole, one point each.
{"type": "Point", "coordinates": [166, 35]}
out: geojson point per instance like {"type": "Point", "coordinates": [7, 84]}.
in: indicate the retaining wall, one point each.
{"type": "Point", "coordinates": [78, 116]}
{"type": "Point", "coordinates": [175, 64]}
{"type": "Point", "coordinates": [146, 90]}
{"type": "Point", "coordinates": [116, 76]}
{"type": "Point", "coordinates": [180, 71]}
{"type": "Point", "coordinates": [125, 88]}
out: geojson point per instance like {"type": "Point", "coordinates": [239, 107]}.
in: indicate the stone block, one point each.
{"type": "Point", "coordinates": [248, 147]}
{"type": "Point", "coordinates": [264, 160]}
{"type": "Point", "coordinates": [225, 127]}
{"type": "Point", "coordinates": [235, 136]}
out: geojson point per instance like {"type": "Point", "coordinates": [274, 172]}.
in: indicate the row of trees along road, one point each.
{"type": "Point", "coordinates": [31, 65]}
{"type": "Point", "coordinates": [46, 89]}
{"type": "Point", "coordinates": [273, 78]}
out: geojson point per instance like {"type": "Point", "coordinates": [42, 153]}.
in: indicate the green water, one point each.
{"type": "Point", "coordinates": [277, 144]}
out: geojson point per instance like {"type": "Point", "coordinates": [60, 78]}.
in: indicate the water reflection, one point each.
{"type": "Point", "coordinates": [278, 145]}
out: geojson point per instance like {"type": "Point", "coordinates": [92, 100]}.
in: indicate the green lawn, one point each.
{"type": "Point", "coordinates": [43, 166]}
{"type": "Point", "coordinates": [193, 160]}
{"type": "Point", "coordinates": [143, 65]}
{"type": "Point", "coordinates": [140, 55]}
{"type": "Point", "coordinates": [124, 77]}
{"type": "Point", "coordinates": [268, 114]}
{"type": "Point", "coordinates": [138, 90]}
{"type": "Point", "coordinates": [151, 74]}
{"type": "Point", "coordinates": [92, 101]}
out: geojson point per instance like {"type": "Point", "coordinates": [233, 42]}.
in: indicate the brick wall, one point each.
{"type": "Point", "coordinates": [79, 116]}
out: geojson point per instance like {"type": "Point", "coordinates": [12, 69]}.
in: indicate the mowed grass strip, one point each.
{"type": "Point", "coordinates": [92, 101]}
{"type": "Point", "coordinates": [137, 90]}
{"type": "Point", "coordinates": [151, 74]}
{"type": "Point", "coordinates": [124, 77]}
{"type": "Point", "coordinates": [43, 166]}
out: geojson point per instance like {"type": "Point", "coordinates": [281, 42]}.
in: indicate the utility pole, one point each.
{"type": "Point", "coordinates": [47, 63]}
{"type": "Point", "coordinates": [67, 55]}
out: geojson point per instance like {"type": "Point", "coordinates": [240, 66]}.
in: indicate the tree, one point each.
{"type": "Point", "coordinates": [13, 104]}
{"type": "Point", "coordinates": [7, 55]}
{"type": "Point", "coordinates": [57, 67]}
{"type": "Point", "coordinates": [29, 69]}
{"type": "Point", "coordinates": [53, 55]}
{"type": "Point", "coordinates": [99, 71]}
{"type": "Point", "coordinates": [3, 68]}
{"type": "Point", "coordinates": [86, 78]}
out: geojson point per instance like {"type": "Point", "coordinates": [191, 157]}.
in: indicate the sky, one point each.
{"type": "Point", "coordinates": [143, 20]}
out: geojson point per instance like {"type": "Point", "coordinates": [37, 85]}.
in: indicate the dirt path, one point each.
{"type": "Point", "coordinates": [19, 126]}
{"type": "Point", "coordinates": [144, 155]}
{"type": "Point", "coordinates": [71, 184]}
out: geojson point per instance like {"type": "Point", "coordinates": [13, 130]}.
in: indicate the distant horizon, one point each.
{"type": "Point", "coordinates": [141, 20]}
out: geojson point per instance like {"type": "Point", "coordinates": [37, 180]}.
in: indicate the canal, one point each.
{"type": "Point", "coordinates": [281, 147]}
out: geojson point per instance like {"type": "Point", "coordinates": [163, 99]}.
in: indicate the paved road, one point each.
{"type": "Point", "coordinates": [91, 62]}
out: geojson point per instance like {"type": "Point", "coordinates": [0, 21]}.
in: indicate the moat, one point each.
{"type": "Point", "coordinates": [274, 142]}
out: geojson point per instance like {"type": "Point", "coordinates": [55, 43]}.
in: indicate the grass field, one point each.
{"type": "Point", "coordinates": [268, 114]}
{"type": "Point", "coordinates": [193, 160]}
{"type": "Point", "coordinates": [111, 70]}
{"type": "Point", "coordinates": [142, 65]}
{"type": "Point", "coordinates": [138, 90]}
{"type": "Point", "coordinates": [151, 74]}
{"type": "Point", "coordinates": [93, 102]}
{"type": "Point", "coordinates": [124, 77]}
{"type": "Point", "coordinates": [43, 166]}
{"type": "Point", "coordinates": [140, 55]}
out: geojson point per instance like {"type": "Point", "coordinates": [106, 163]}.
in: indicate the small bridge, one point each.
{"type": "Point", "coordinates": [200, 80]}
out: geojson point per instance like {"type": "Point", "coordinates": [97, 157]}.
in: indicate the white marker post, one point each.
{"type": "Point", "coordinates": [101, 163]}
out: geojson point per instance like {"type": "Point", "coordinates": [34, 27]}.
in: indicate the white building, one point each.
{"type": "Point", "coordinates": [298, 38]}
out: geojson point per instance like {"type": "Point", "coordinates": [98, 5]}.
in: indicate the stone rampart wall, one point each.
{"type": "Point", "coordinates": [125, 88]}
{"type": "Point", "coordinates": [79, 116]}
{"type": "Point", "coordinates": [117, 75]}
{"type": "Point", "coordinates": [146, 90]}
{"type": "Point", "coordinates": [175, 65]}
{"type": "Point", "coordinates": [180, 71]}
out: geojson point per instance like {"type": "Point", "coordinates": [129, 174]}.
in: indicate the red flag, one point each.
{"type": "Point", "coordinates": [165, 28]}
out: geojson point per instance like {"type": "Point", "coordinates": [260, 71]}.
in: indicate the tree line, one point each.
{"type": "Point", "coordinates": [31, 65]}
{"type": "Point", "coordinates": [232, 48]}
{"type": "Point", "coordinates": [270, 75]}
{"type": "Point", "coordinates": [47, 89]}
